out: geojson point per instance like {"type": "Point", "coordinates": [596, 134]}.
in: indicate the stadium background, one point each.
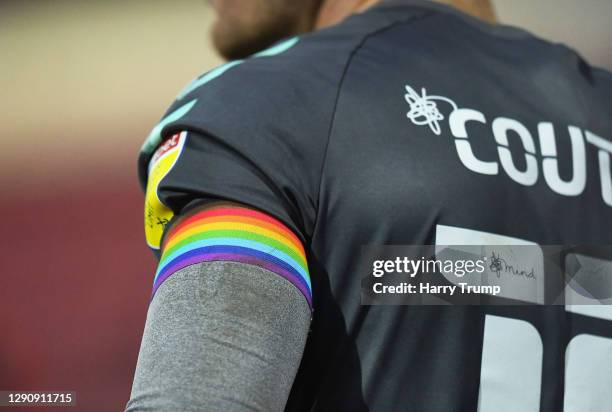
{"type": "Point", "coordinates": [81, 85]}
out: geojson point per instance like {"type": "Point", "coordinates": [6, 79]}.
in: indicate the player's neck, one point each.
{"type": "Point", "coordinates": [482, 9]}
{"type": "Point", "coordinates": [334, 11]}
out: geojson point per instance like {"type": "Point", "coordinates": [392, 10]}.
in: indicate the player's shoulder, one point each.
{"type": "Point", "coordinates": [298, 71]}
{"type": "Point", "coordinates": [290, 87]}
{"type": "Point", "coordinates": [311, 63]}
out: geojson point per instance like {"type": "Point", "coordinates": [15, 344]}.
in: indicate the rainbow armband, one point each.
{"type": "Point", "coordinates": [235, 234]}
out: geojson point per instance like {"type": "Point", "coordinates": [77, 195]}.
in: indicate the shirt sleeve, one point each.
{"type": "Point", "coordinates": [252, 132]}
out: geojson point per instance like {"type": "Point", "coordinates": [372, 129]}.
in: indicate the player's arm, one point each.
{"type": "Point", "coordinates": [226, 327]}
{"type": "Point", "coordinates": [230, 314]}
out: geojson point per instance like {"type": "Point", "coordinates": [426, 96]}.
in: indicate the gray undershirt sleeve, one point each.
{"type": "Point", "coordinates": [220, 336]}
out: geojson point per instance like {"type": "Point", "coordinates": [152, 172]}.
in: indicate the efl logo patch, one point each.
{"type": "Point", "coordinates": [157, 215]}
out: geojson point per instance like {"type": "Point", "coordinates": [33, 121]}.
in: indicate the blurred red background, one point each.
{"type": "Point", "coordinates": [75, 290]}
{"type": "Point", "coordinates": [82, 84]}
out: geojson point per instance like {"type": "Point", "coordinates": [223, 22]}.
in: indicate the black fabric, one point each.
{"type": "Point", "coordinates": [319, 137]}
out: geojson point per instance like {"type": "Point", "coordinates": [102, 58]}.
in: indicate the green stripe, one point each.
{"type": "Point", "coordinates": [155, 138]}
{"type": "Point", "coordinates": [201, 81]}
{"type": "Point", "coordinates": [278, 48]}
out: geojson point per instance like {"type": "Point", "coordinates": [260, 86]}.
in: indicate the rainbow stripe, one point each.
{"type": "Point", "coordinates": [235, 234]}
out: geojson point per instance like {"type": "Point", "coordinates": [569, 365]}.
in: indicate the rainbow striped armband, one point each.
{"type": "Point", "coordinates": [235, 234]}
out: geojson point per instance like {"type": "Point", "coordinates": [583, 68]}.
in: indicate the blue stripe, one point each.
{"type": "Point", "coordinates": [226, 241]}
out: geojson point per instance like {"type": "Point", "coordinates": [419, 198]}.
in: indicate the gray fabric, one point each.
{"type": "Point", "coordinates": [220, 336]}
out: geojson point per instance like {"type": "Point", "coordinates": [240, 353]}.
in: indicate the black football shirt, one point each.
{"type": "Point", "coordinates": [411, 124]}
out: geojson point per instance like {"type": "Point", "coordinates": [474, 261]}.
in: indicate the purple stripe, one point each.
{"type": "Point", "coordinates": [232, 257]}
{"type": "Point", "coordinates": [166, 265]}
